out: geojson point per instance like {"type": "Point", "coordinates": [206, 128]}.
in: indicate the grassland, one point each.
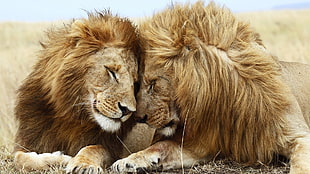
{"type": "Point", "coordinates": [285, 34]}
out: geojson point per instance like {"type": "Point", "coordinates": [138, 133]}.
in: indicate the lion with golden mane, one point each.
{"type": "Point", "coordinates": [80, 96]}
{"type": "Point", "coordinates": [211, 88]}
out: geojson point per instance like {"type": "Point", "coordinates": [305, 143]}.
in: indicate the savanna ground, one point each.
{"type": "Point", "coordinates": [285, 34]}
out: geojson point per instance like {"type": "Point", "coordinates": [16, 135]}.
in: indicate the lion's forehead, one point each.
{"type": "Point", "coordinates": [118, 59]}
{"type": "Point", "coordinates": [120, 62]}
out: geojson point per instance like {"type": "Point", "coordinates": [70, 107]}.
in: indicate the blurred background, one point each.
{"type": "Point", "coordinates": [284, 26]}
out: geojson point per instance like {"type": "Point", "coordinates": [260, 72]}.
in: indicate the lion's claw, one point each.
{"type": "Point", "coordinates": [129, 165]}
{"type": "Point", "coordinates": [137, 163]}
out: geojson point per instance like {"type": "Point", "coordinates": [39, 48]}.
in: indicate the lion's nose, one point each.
{"type": "Point", "coordinates": [141, 119]}
{"type": "Point", "coordinates": [124, 109]}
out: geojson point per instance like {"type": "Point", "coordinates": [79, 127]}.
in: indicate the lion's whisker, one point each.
{"type": "Point", "coordinates": [79, 104]}
{"type": "Point", "coordinates": [22, 147]}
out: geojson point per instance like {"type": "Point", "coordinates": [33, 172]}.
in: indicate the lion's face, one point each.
{"type": "Point", "coordinates": [156, 105]}
{"type": "Point", "coordinates": [110, 82]}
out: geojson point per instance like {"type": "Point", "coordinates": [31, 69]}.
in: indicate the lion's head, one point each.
{"type": "Point", "coordinates": [156, 99]}
{"type": "Point", "coordinates": [110, 82]}
{"type": "Point", "coordinates": [205, 70]}
{"type": "Point", "coordinates": [90, 67]}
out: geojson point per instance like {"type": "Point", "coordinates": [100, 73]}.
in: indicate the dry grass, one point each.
{"type": "Point", "coordinates": [285, 33]}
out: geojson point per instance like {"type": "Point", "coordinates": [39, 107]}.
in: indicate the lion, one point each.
{"type": "Point", "coordinates": [211, 89]}
{"type": "Point", "coordinates": [78, 100]}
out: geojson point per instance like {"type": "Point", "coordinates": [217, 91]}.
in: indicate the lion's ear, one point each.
{"type": "Point", "coordinates": [77, 31]}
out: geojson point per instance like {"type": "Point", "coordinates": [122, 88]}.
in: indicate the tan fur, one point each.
{"type": "Point", "coordinates": [210, 74]}
{"type": "Point", "coordinates": [80, 93]}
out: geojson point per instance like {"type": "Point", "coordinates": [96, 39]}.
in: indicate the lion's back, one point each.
{"type": "Point", "coordinates": [296, 76]}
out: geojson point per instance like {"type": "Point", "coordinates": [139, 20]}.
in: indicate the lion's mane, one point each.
{"type": "Point", "coordinates": [228, 88]}
{"type": "Point", "coordinates": [50, 107]}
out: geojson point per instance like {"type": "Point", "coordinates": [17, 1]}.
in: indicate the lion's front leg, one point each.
{"type": "Point", "coordinates": [300, 156]}
{"type": "Point", "coordinates": [90, 159]}
{"type": "Point", "coordinates": [160, 156]}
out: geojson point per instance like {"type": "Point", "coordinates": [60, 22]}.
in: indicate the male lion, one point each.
{"type": "Point", "coordinates": [211, 88]}
{"type": "Point", "coordinates": [80, 96]}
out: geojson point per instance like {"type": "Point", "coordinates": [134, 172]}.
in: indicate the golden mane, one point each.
{"type": "Point", "coordinates": [227, 85]}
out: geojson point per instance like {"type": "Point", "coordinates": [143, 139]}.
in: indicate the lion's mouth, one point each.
{"type": "Point", "coordinates": [170, 124]}
{"type": "Point", "coordinates": [168, 129]}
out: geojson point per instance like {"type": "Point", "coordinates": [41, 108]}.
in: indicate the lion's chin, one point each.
{"type": "Point", "coordinates": [108, 124]}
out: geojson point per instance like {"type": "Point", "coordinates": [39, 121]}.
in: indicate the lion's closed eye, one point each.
{"type": "Point", "coordinates": [151, 86]}
{"type": "Point", "coordinates": [112, 73]}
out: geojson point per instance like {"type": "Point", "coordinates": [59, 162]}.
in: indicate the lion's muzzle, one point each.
{"type": "Point", "coordinates": [116, 111]}
{"type": "Point", "coordinates": [124, 109]}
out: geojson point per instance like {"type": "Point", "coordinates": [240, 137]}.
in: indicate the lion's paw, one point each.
{"type": "Point", "coordinates": [137, 163]}
{"type": "Point", "coordinates": [77, 167]}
